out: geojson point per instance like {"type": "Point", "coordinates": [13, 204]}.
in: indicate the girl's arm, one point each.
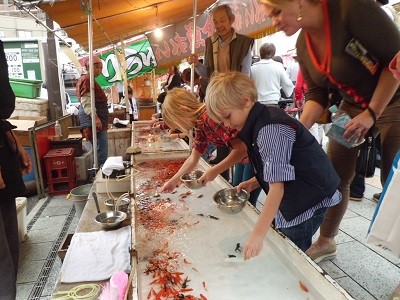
{"type": "Point", "coordinates": [238, 152]}
{"type": "Point", "coordinates": [188, 166]}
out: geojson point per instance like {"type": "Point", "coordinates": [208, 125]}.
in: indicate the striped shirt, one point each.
{"type": "Point", "coordinates": [275, 142]}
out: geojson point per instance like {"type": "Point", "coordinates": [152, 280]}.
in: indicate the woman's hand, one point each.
{"type": "Point", "coordinates": [357, 127]}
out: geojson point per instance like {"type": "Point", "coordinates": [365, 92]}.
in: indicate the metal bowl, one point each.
{"type": "Point", "coordinates": [230, 201]}
{"type": "Point", "coordinates": [191, 179]}
{"type": "Point", "coordinates": [123, 204]}
{"type": "Point", "coordinates": [110, 219]}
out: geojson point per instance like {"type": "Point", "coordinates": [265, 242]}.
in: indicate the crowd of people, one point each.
{"type": "Point", "coordinates": [332, 56]}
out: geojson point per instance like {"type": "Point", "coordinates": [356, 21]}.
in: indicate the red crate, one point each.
{"type": "Point", "coordinates": [60, 170]}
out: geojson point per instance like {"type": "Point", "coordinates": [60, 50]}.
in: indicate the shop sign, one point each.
{"type": "Point", "coordinates": [139, 60]}
{"type": "Point", "coordinates": [176, 42]}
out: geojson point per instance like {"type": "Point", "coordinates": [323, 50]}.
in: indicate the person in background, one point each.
{"type": "Point", "coordinates": [199, 82]}
{"type": "Point", "coordinates": [184, 112]}
{"type": "Point", "coordinates": [226, 50]}
{"type": "Point", "coordinates": [174, 78]}
{"type": "Point", "coordinates": [279, 59]}
{"type": "Point", "coordinates": [101, 110]}
{"type": "Point", "coordinates": [293, 69]}
{"type": "Point", "coordinates": [328, 51]}
{"type": "Point", "coordinates": [299, 93]}
{"type": "Point", "coordinates": [270, 77]}
{"type": "Point", "coordinates": [291, 167]}
{"type": "Point", "coordinates": [133, 108]}
{"type": "Point", "coordinates": [14, 161]}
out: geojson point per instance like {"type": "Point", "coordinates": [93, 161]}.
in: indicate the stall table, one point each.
{"type": "Point", "coordinates": [182, 244]}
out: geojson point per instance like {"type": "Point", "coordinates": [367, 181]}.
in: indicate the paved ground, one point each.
{"type": "Point", "coordinates": [364, 273]}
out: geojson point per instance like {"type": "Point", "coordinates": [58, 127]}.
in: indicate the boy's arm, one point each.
{"type": "Point", "coordinates": [255, 242]}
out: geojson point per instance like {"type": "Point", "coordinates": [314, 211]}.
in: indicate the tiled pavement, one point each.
{"type": "Point", "coordinates": [364, 273]}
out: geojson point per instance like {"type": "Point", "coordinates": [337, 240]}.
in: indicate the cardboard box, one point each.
{"type": "Point", "coordinates": [23, 124]}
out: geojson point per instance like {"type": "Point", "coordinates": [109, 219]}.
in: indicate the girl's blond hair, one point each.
{"type": "Point", "coordinates": [181, 109]}
{"type": "Point", "coordinates": [228, 91]}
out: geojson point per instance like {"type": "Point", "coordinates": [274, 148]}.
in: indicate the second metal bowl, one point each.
{"type": "Point", "coordinates": [191, 179]}
{"type": "Point", "coordinates": [230, 201]}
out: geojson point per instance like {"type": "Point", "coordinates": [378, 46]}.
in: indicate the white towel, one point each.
{"type": "Point", "coordinates": [112, 163]}
{"type": "Point", "coordinates": [96, 256]}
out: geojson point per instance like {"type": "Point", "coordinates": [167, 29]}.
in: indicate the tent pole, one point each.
{"type": "Point", "coordinates": [193, 45]}
{"type": "Point", "coordinates": [92, 100]}
{"type": "Point", "coordinates": [192, 65]}
{"type": "Point", "coordinates": [122, 65]}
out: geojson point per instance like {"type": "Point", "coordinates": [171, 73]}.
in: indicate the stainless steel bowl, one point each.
{"type": "Point", "coordinates": [191, 179]}
{"type": "Point", "coordinates": [110, 219]}
{"type": "Point", "coordinates": [123, 204]}
{"type": "Point", "coordinates": [230, 201]}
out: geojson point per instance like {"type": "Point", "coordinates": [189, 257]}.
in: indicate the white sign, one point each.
{"type": "Point", "coordinates": [14, 61]}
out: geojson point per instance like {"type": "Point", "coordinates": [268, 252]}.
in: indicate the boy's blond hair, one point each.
{"type": "Point", "coordinates": [181, 109]}
{"type": "Point", "coordinates": [226, 91]}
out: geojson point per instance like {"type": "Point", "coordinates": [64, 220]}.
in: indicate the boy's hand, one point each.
{"type": "Point", "coordinates": [253, 246]}
{"type": "Point", "coordinates": [248, 185]}
{"type": "Point", "coordinates": [208, 175]}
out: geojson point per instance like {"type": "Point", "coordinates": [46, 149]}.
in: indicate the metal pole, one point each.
{"type": "Point", "coordinates": [192, 65]}
{"type": "Point", "coordinates": [92, 100]}
{"type": "Point", "coordinates": [193, 45]}
{"type": "Point", "coordinates": [122, 66]}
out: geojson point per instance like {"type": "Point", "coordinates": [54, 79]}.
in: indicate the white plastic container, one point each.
{"type": "Point", "coordinates": [21, 217]}
{"type": "Point", "coordinates": [112, 185]}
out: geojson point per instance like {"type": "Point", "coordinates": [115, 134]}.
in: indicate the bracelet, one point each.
{"type": "Point", "coordinates": [372, 113]}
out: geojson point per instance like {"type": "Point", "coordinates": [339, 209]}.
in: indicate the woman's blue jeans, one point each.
{"type": "Point", "coordinates": [302, 233]}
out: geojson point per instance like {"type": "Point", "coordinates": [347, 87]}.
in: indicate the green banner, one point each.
{"type": "Point", "coordinates": [139, 60]}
